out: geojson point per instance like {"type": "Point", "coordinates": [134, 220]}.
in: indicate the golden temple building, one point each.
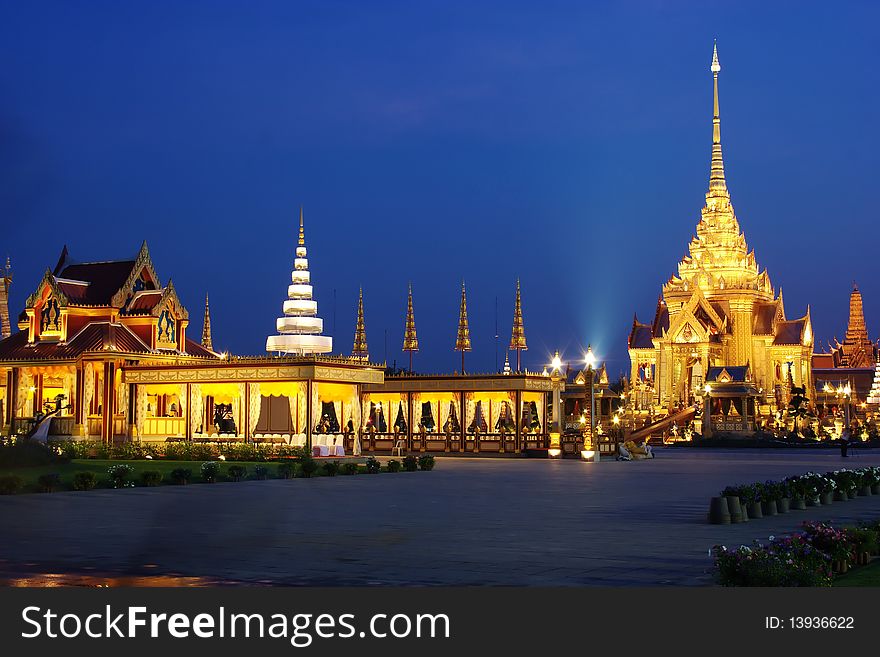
{"type": "Point", "coordinates": [719, 310]}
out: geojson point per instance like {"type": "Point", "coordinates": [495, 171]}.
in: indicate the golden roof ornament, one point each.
{"type": "Point", "coordinates": [518, 333]}
{"type": "Point", "coordinates": [359, 349]}
{"type": "Point", "coordinates": [410, 339]}
{"type": "Point", "coordinates": [302, 232]}
{"type": "Point", "coordinates": [207, 342]}
{"type": "Point", "coordinates": [717, 183]}
{"type": "Point", "coordinates": [463, 339]}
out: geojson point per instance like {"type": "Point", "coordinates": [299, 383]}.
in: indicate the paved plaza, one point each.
{"type": "Point", "coordinates": [469, 522]}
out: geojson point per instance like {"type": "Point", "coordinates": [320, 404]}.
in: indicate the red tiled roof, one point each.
{"type": "Point", "coordinates": [641, 337]}
{"type": "Point", "coordinates": [143, 302]}
{"type": "Point", "coordinates": [765, 312]}
{"type": "Point", "coordinates": [789, 332]}
{"type": "Point", "coordinates": [94, 338]}
{"type": "Point", "coordinates": [661, 321]}
{"type": "Point", "coordinates": [822, 361]}
{"type": "Point", "coordinates": [193, 348]}
{"type": "Point", "coordinates": [104, 280]}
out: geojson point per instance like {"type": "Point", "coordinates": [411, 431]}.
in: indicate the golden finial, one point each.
{"type": "Point", "coordinates": [207, 341]}
{"type": "Point", "coordinates": [302, 233]}
{"type": "Point", "coordinates": [463, 339]}
{"type": "Point", "coordinates": [518, 333]}
{"type": "Point", "coordinates": [359, 350]}
{"type": "Point", "coordinates": [717, 183]}
{"type": "Point", "coordinates": [410, 339]}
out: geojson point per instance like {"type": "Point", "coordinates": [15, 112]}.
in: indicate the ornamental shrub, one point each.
{"type": "Point", "coordinates": [373, 465]}
{"type": "Point", "coordinates": [331, 468]}
{"type": "Point", "coordinates": [237, 472]}
{"type": "Point", "coordinates": [410, 463]}
{"type": "Point", "coordinates": [393, 465]}
{"type": "Point", "coordinates": [181, 476]}
{"type": "Point", "coordinates": [261, 473]}
{"type": "Point", "coordinates": [84, 480]}
{"type": "Point", "coordinates": [285, 470]}
{"type": "Point", "coordinates": [190, 452]}
{"type": "Point", "coordinates": [209, 471]}
{"type": "Point", "coordinates": [49, 482]}
{"type": "Point", "coordinates": [10, 484]}
{"type": "Point", "coordinates": [349, 469]}
{"type": "Point", "coordinates": [120, 475]}
{"type": "Point", "coordinates": [25, 453]}
{"type": "Point", "coordinates": [151, 478]}
{"type": "Point", "coordinates": [308, 466]}
{"type": "Point", "coordinates": [426, 462]}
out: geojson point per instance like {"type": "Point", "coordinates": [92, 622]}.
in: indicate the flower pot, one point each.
{"type": "Point", "coordinates": [839, 566]}
{"type": "Point", "coordinates": [840, 496]}
{"type": "Point", "coordinates": [813, 501]}
{"type": "Point", "coordinates": [754, 510]}
{"type": "Point", "coordinates": [864, 491]}
{"type": "Point", "coordinates": [798, 504]}
{"type": "Point", "coordinates": [826, 498]}
{"type": "Point", "coordinates": [783, 505]}
{"type": "Point", "coordinates": [719, 514]}
{"type": "Point", "coordinates": [875, 489]}
{"type": "Point", "coordinates": [736, 510]}
{"type": "Point", "coordinates": [864, 558]}
{"type": "Point", "coordinates": [768, 507]}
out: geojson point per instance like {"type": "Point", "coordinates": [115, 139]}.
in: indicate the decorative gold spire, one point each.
{"type": "Point", "coordinates": [518, 333]}
{"type": "Point", "coordinates": [5, 282]}
{"type": "Point", "coordinates": [302, 232]}
{"type": "Point", "coordinates": [359, 350]}
{"type": "Point", "coordinates": [207, 342]}
{"type": "Point", "coordinates": [717, 183]}
{"type": "Point", "coordinates": [463, 339]}
{"type": "Point", "coordinates": [410, 339]}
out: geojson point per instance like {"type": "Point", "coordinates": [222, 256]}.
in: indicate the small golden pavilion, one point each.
{"type": "Point", "coordinates": [719, 311]}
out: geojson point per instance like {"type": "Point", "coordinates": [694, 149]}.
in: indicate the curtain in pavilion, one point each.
{"type": "Point", "coordinates": [197, 407]}
{"type": "Point", "coordinates": [88, 390]}
{"type": "Point", "coordinates": [255, 402]}
{"type": "Point", "coordinates": [316, 406]}
{"type": "Point", "coordinates": [141, 410]}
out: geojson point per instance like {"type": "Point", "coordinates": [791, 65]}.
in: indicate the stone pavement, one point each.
{"type": "Point", "coordinates": [469, 522]}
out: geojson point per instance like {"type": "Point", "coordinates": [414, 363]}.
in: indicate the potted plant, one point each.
{"type": "Point", "coordinates": [827, 486]}
{"type": "Point", "coordinates": [797, 490]}
{"type": "Point", "coordinates": [768, 492]}
{"type": "Point", "coordinates": [751, 498]}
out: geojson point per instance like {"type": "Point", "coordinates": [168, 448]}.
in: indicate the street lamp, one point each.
{"type": "Point", "coordinates": [590, 360]}
{"type": "Point", "coordinates": [557, 382]}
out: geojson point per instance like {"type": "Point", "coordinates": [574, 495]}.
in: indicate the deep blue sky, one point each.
{"type": "Point", "coordinates": [566, 143]}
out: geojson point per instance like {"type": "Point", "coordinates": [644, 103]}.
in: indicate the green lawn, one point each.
{"type": "Point", "coordinates": [863, 576]}
{"type": "Point", "coordinates": [99, 467]}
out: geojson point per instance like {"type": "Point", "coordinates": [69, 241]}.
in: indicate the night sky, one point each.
{"type": "Point", "coordinates": [565, 143]}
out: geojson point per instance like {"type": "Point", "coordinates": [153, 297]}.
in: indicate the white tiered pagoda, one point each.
{"type": "Point", "coordinates": [300, 328]}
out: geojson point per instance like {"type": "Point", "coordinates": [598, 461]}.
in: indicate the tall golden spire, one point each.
{"type": "Point", "coordinates": [518, 333]}
{"type": "Point", "coordinates": [207, 342]}
{"type": "Point", "coordinates": [463, 339]}
{"type": "Point", "coordinates": [302, 232]}
{"type": "Point", "coordinates": [410, 339]}
{"type": "Point", "coordinates": [5, 282]}
{"type": "Point", "coordinates": [359, 350]}
{"type": "Point", "coordinates": [717, 183]}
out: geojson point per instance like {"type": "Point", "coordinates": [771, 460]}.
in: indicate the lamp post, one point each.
{"type": "Point", "coordinates": [590, 360]}
{"type": "Point", "coordinates": [556, 378]}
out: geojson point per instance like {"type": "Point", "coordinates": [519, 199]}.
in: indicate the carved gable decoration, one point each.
{"type": "Point", "coordinates": [142, 277]}
{"type": "Point", "coordinates": [168, 312]}
{"type": "Point", "coordinates": [47, 287]}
